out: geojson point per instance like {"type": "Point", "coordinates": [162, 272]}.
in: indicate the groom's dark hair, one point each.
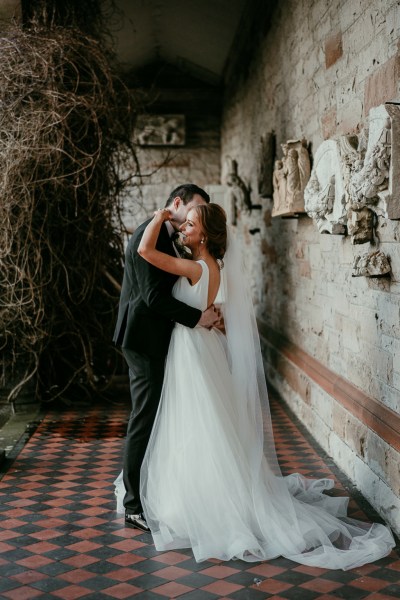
{"type": "Point", "coordinates": [186, 191]}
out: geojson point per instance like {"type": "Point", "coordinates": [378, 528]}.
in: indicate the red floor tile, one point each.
{"type": "Point", "coordinates": [81, 560]}
{"type": "Point", "coordinates": [85, 546]}
{"type": "Point", "coordinates": [222, 587]}
{"type": "Point", "coordinates": [29, 577]}
{"type": "Point", "coordinates": [33, 562]}
{"type": "Point", "coordinates": [266, 570]}
{"type": "Point", "coordinates": [320, 585]}
{"type": "Point", "coordinates": [122, 590]}
{"type": "Point", "coordinates": [171, 573]}
{"type": "Point", "coordinates": [170, 558]}
{"type": "Point", "coordinates": [273, 586]}
{"type": "Point", "coordinates": [172, 589]}
{"type": "Point", "coordinates": [219, 572]}
{"type": "Point", "coordinates": [22, 593]}
{"type": "Point", "coordinates": [76, 576]}
{"type": "Point", "coordinates": [369, 583]}
{"type": "Point", "coordinates": [71, 592]}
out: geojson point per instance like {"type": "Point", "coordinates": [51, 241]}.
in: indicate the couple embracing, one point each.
{"type": "Point", "coordinates": [200, 468]}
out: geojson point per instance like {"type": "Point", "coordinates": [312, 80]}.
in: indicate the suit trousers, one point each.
{"type": "Point", "coordinates": [146, 377]}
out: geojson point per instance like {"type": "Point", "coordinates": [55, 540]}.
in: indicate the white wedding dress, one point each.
{"type": "Point", "coordinates": [205, 480]}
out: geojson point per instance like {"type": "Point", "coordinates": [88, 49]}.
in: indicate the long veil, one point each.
{"type": "Point", "coordinates": [244, 354]}
{"type": "Point", "coordinates": [313, 527]}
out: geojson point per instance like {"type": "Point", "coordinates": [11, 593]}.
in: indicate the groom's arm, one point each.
{"type": "Point", "coordinates": [155, 290]}
{"type": "Point", "coordinates": [157, 296]}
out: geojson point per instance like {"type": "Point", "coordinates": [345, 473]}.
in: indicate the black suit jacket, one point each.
{"type": "Point", "coordinates": [147, 311]}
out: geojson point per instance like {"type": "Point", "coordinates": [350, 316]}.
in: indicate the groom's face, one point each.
{"type": "Point", "coordinates": [181, 210]}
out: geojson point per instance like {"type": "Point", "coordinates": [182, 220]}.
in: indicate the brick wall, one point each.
{"type": "Point", "coordinates": [316, 73]}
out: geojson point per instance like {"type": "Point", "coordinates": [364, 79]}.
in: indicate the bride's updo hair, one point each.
{"type": "Point", "coordinates": [212, 219]}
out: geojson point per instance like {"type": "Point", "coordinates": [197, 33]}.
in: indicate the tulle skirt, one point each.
{"type": "Point", "coordinates": [206, 485]}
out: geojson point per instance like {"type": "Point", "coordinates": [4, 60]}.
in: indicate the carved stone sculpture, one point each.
{"type": "Point", "coordinates": [324, 195]}
{"type": "Point", "coordinates": [373, 177]}
{"type": "Point", "coordinates": [279, 184]}
{"type": "Point", "coordinates": [350, 156]}
{"type": "Point", "coordinates": [239, 192]}
{"type": "Point", "coordinates": [290, 177]}
{"type": "Point", "coordinates": [160, 130]}
{"type": "Point", "coordinates": [392, 202]}
{"type": "Point", "coordinates": [360, 224]}
{"type": "Point", "coordinates": [371, 264]}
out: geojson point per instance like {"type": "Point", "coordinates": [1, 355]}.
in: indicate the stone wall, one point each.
{"type": "Point", "coordinates": [167, 169]}
{"type": "Point", "coordinates": [315, 74]}
{"type": "Point", "coordinates": [166, 90]}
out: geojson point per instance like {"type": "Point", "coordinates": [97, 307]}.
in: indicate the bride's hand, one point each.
{"type": "Point", "coordinates": [210, 317]}
{"type": "Point", "coordinates": [162, 214]}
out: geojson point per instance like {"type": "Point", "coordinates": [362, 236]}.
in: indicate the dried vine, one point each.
{"type": "Point", "coordinates": [65, 128]}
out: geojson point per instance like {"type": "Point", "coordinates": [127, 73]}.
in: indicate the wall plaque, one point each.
{"type": "Point", "coordinates": [160, 130]}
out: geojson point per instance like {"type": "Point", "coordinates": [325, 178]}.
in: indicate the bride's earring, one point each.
{"type": "Point", "coordinates": [199, 250]}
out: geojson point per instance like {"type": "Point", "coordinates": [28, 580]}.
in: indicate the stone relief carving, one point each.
{"type": "Point", "coordinates": [290, 177]}
{"type": "Point", "coordinates": [371, 178]}
{"type": "Point", "coordinates": [349, 149]}
{"type": "Point", "coordinates": [371, 264]}
{"type": "Point", "coordinates": [351, 177]}
{"type": "Point", "coordinates": [160, 130]}
{"type": "Point", "coordinates": [354, 181]}
{"type": "Point", "coordinates": [324, 195]}
{"type": "Point", "coordinates": [391, 199]}
{"type": "Point", "coordinates": [239, 196]}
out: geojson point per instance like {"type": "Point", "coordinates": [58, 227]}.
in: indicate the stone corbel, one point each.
{"type": "Point", "coordinates": [371, 264]}
{"type": "Point", "coordinates": [360, 224]}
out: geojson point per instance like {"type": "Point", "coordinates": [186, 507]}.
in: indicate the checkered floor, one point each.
{"type": "Point", "coordinates": [61, 539]}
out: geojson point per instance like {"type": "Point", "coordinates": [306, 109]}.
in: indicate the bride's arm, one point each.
{"type": "Point", "coordinates": [147, 250]}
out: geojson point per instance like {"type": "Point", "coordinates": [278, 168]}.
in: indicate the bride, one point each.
{"type": "Point", "coordinates": [210, 480]}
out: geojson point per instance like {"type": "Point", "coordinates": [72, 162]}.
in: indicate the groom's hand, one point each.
{"type": "Point", "coordinates": [210, 318]}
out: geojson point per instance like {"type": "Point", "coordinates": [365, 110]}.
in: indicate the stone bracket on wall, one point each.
{"type": "Point", "coordinates": [371, 264]}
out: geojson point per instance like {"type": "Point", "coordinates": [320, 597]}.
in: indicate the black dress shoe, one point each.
{"type": "Point", "coordinates": [137, 521]}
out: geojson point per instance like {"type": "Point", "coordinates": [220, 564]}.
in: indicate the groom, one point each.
{"type": "Point", "coordinates": [146, 317]}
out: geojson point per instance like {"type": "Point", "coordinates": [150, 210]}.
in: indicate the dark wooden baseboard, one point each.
{"type": "Point", "coordinates": [373, 413]}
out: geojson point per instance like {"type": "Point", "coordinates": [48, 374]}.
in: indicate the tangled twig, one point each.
{"type": "Point", "coordinates": [65, 149]}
